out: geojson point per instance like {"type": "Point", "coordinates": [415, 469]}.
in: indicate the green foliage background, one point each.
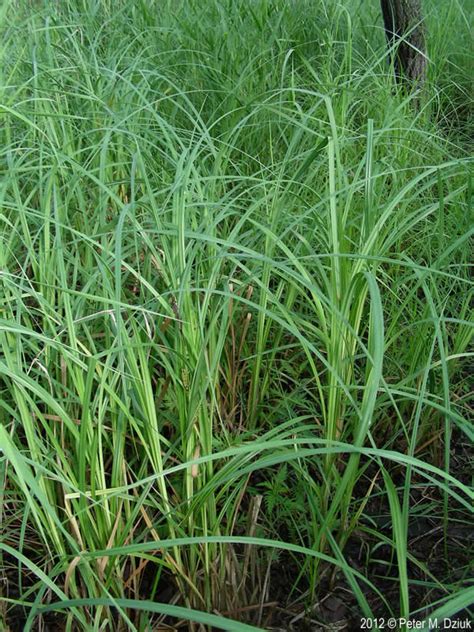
{"type": "Point", "coordinates": [235, 309]}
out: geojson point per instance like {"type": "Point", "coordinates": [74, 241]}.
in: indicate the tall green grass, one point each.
{"type": "Point", "coordinates": [235, 311]}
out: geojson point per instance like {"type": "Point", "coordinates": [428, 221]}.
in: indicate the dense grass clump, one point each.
{"type": "Point", "coordinates": [235, 317]}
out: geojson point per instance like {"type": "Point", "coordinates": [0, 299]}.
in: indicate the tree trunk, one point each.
{"type": "Point", "coordinates": [405, 32]}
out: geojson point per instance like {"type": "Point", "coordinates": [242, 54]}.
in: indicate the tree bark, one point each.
{"type": "Point", "coordinates": [405, 31]}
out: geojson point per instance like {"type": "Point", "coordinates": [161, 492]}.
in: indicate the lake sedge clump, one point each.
{"type": "Point", "coordinates": [235, 317]}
